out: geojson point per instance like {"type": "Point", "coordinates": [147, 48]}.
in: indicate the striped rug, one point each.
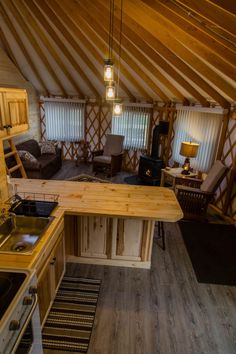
{"type": "Point", "coordinates": [69, 323]}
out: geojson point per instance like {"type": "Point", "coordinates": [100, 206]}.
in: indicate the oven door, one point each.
{"type": "Point", "coordinates": [29, 339]}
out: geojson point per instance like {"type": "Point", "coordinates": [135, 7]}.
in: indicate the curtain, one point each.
{"type": "Point", "coordinates": [199, 127]}
{"type": "Point", "coordinates": [64, 120]}
{"type": "Point", "coordinates": [133, 124]}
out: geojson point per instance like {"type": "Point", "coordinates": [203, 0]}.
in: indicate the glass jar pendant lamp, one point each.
{"type": "Point", "coordinates": [110, 91]}
{"type": "Point", "coordinates": [108, 70]}
{"type": "Point", "coordinates": [117, 109]}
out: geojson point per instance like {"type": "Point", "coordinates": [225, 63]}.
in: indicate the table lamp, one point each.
{"type": "Point", "coordinates": [188, 149]}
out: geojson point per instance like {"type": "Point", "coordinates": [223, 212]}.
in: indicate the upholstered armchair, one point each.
{"type": "Point", "coordinates": [109, 159]}
{"type": "Point", "coordinates": [195, 195]}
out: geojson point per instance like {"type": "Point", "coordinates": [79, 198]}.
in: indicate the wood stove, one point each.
{"type": "Point", "coordinates": [150, 166]}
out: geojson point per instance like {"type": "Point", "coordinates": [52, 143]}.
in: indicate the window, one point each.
{"type": "Point", "coordinates": [64, 120]}
{"type": "Point", "coordinates": [133, 124]}
{"type": "Point", "coordinates": [199, 127]}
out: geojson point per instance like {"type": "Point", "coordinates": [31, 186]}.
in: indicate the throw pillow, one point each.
{"type": "Point", "coordinates": [26, 156]}
{"type": "Point", "coordinates": [47, 147]}
{"type": "Point", "coordinates": [28, 160]}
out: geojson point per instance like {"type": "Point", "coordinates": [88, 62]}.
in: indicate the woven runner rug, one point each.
{"type": "Point", "coordinates": [70, 321]}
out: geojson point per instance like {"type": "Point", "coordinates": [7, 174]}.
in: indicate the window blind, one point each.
{"type": "Point", "coordinates": [199, 127]}
{"type": "Point", "coordinates": [64, 120]}
{"type": "Point", "coordinates": [133, 124]}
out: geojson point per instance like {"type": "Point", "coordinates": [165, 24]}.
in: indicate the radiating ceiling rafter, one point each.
{"type": "Point", "coordinates": [95, 38]}
{"type": "Point", "coordinates": [226, 5]}
{"type": "Point", "coordinates": [32, 40]}
{"type": "Point", "coordinates": [21, 45]}
{"type": "Point", "coordinates": [199, 25]}
{"type": "Point", "coordinates": [218, 16]}
{"type": "Point", "coordinates": [219, 56]}
{"type": "Point", "coordinates": [60, 13]}
{"type": "Point", "coordinates": [157, 51]}
{"type": "Point", "coordinates": [196, 68]}
{"type": "Point", "coordinates": [42, 18]}
{"type": "Point", "coordinates": [125, 56]}
{"type": "Point", "coordinates": [33, 24]}
{"type": "Point", "coordinates": [138, 51]}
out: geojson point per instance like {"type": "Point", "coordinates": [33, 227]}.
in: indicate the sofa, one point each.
{"type": "Point", "coordinates": [40, 162]}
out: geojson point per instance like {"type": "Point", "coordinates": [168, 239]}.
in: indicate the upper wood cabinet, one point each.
{"type": "Point", "coordinates": [13, 112]}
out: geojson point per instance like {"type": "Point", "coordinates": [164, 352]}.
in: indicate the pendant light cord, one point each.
{"type": "Point", "coordinates": [111, 29]}
{"type": "Point", "coordinates": [120, 42]}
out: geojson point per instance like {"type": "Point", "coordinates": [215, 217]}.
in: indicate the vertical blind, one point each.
{"type": "Point", "coordinates": [198, 127]}
{"type": "Point", "coordinates": [133, 124]}
{"type": "Point", "coordinates": [64, 120]}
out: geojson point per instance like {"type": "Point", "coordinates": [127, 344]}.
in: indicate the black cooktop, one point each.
{"type": "Point", "coordinates": [33, 207]}
{"type": "Point", "coordinates": [10, 283]}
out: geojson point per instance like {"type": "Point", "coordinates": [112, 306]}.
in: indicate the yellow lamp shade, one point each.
{"type": "Point", "coordinates": [189, 149]}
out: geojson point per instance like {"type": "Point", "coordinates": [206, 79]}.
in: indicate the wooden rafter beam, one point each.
{"type": "Point", "coordinates": [61, 14]}
{"type": "Point", "coordinates": [213, 13]}
{"type": "Point", "coordinates": [198, 26]}
{"type": "Point", "coordinates": [103, 14]}
{"type": "Point", "coordinates": [23, 49]}
{"type": "Point", "coordinates": [143, 16]}
{"type": "Point", "coordinates": [59, 42]}
{"type": "Point", "coordinates": [7, 47]}
{"type": "Point", "coordinates": [93, 37]}
{"type": "Point", "coordinates": [26, 29]}
{"type": "Point", "coordinates": [204, 45]}
{"type": "Point", "coordinates": [152, 47]}
{"type": "Point", "coordinates": [138, 52]}
{"type": "Point", "coordinates": [229, 6]}
{"type": "Point", "coordinates": [34, 25]}
{"type": "Point", "coordinates": [98, 28]}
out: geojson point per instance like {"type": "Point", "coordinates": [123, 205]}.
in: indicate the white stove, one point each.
{"type": "Point", "coordinates": [20, 330]}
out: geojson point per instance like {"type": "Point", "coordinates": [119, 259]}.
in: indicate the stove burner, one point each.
{"type": "Point", "coordinates": [10, 283]}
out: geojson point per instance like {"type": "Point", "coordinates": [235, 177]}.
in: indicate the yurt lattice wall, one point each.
{"type": "Point", "coordinates": [226, 195]}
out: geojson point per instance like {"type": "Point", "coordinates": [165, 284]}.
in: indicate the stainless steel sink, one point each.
{"type": "Point", "coordinates": [20, 233]}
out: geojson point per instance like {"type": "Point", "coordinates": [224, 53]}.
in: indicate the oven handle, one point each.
{"type": "Point", "coordinates": [25, 324]}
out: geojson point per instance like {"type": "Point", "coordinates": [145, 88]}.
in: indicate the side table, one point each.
{"type": "Point", "coordinates": [169, 175]}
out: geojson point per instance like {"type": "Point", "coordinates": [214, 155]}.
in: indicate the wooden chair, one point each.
{"type": "Point", "coordinates": [109, 159]}
{"type": "Point", "coordinates": [195, 195]}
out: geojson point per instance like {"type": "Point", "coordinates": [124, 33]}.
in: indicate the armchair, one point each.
{"type": "Point", "coordinates": [110, 158]}
{"type": "Point", "coordinates": [195, 195]}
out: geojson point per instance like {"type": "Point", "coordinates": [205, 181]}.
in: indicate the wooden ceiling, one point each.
{"type": "Point", "coordinates": [171, 50]}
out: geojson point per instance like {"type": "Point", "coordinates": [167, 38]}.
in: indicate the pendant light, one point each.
{"type": "Point", "coordinates": [110, 91]}
{"type": "Point", "coordinates": [108, 63]}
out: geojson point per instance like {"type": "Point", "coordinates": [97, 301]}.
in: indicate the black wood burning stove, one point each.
{"type": "Point", "coordinates": [150, 166]}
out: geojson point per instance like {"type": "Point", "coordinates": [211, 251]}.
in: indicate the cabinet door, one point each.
{"type": "Point", "coordinates": [59, 262]}
{"type": "Point", "coordinates": [93, 232]}
{"type": "Point", "coordinates": [50, 277]}
{"type": "Point", "coordinates": [127, 241]}
{"type": "Point", "coordinates": [14, 111]}
{"type": "Point", "coordinates": [45, 291]}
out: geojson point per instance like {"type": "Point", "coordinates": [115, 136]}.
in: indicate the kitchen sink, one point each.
{"type": "Point", "coordinates": [19, 233]}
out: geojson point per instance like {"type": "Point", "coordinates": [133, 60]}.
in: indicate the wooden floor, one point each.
{"type": "Point", "coordinates": [69, 169]}
{"type": "Point", "coordinates": [163, 310]}
{"type": "Point", "coordinates": [159, 311]}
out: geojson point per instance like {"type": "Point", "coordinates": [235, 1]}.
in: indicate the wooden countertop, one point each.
{"type": "Point", "coordinates": [78, 198]}
{"type": "Point", "coordinates": [121, 200]}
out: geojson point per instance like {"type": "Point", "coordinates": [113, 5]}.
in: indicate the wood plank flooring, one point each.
{"type": "Point", "coordinates": [163, 310]}
{"type": "Point", "coordinates": [69, 169]}
{"type": "Point", "coordinates": [159, 311]}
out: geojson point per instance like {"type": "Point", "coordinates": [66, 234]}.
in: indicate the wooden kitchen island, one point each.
{"type": "Point", "coordinates": [111, 224]}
